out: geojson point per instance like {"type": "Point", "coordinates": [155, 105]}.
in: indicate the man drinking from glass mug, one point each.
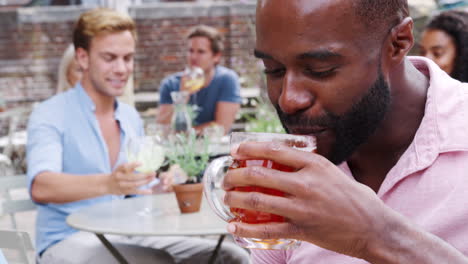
{"type": "Point", "coordinates": [389, 182]}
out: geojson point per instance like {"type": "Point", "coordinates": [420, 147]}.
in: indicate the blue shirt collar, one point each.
{"type": "Point", "coordinates": [91, 106]}
{"type": "Point", "coordinates": [84, 98]}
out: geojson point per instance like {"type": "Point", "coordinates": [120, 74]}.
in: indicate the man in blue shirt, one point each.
{"type": "Point", "coordinates": [76, 150]}
{"type": "Point", "coordinates": [219, 99]}
{"type": "Point", "coordinates": [2, 258]}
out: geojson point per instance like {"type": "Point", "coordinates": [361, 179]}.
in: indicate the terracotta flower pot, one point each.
{"type": "Point", "coordinates": [189, 197]}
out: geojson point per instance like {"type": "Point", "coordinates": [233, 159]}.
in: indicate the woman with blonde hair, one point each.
{"type": "Point", "coordinates": [69, 71]}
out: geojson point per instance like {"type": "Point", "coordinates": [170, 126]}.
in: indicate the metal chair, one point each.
{"type": "Point", "coordinates": [17, 240]}
{"type": "Point", "coordinates": [10, 206]}
{"type": "Point", "coordinates": [14, 121]}
{"type": "Point", "coordinates": [6, 166]}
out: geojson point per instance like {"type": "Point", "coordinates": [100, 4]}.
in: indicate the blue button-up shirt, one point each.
{"type": "Point", "coordinates": [64, 136]}
{"type": "Point", "coordinates": [2, 258]}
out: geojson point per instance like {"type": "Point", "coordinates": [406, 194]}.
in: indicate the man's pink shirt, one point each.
{"type": "Point", "coordinates": [429, 184]}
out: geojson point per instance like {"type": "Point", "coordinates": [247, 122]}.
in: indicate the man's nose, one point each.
{"type": "Point", "coordinates": [295, 94]}
{"type": "Point", "coordinates": [193, 58]}
{"type": "Point", "coordinates": [120, 65]}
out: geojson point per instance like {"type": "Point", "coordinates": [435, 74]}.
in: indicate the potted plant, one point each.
{"type": "Point", "coordinates": [191, 155]}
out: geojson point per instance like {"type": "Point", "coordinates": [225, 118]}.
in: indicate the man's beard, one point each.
{"type": "Point", "coordinates": [352, 128]}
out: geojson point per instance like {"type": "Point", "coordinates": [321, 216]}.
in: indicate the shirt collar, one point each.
{"type": "Point", "coordinates": [441, 129]}
{"type": "Point", "coordinates": [84, 98]}
{"type": "Point", "coordinates": [88, 103]}
{"type": "Point", "coordinates": [428, 142]}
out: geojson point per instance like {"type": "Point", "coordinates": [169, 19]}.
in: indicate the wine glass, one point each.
{"type": "Point", "coordinates": [150, 155]}
{"type": "Point", "coordinates": [145, 151]}
{"type": "Point", "coordinates": [194, 79]}
{"type": "Point", "coordinates": [159, 132]}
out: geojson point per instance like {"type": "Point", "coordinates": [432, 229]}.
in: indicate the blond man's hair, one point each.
{"type": "Point", "coordinates": [100, 21]}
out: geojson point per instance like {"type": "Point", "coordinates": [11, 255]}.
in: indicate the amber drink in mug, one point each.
{"type": "Point", "coordinates": [214, 175]}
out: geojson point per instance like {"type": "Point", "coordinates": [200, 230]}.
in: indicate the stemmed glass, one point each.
{"type": "Point", "coordinates": [150, 155]}
{"type": "Point", "coordinates": [194, 79]}
{"type": "Point", "coordinates": [159, 132]}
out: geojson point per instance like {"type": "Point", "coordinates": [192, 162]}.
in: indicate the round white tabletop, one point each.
{"type": "Point", "coordinates": [153, 215]}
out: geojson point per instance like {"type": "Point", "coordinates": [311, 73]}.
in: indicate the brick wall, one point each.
{"type": "Point", "coordinates": [162, 46]}
{"type": "Point", "coordinates": [32, 41]}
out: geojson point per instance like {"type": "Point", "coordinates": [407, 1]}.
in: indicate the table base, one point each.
{"type": "Point", "coordinates": [112, 249]}
{"type": "Point", "coordinates": [121, 259]}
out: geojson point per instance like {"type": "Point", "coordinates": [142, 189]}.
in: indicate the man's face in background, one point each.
{"type": "Point", "coordinates": [201, 55]}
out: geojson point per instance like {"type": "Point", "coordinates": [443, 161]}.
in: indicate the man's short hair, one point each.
{"type": "Point", "coordinates": [211, 33]}
{"type": "Point", "coordinates": [381, 15]}
{"type": "Point", "coordinates": [100, 21]}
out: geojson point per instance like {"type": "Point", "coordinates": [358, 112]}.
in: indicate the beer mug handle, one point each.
{"type": "Point", "coordinates": [212, 186]}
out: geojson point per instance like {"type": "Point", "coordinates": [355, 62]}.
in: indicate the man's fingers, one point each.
{"type": "Point", "coordinates": [260, 176]}
{"type": "Point", "coordinates": [134, 184]}
{"type": "Point", "coordinates": [168, 182]}
{"type": "Point", "coordinates": [130, 167]}
{"type": "Point", "coordinates": [256, 201]}
{"type": "Point", "coordinates": [264, 231]}
{"type": "Point", "coordinates": [275, 151]}
{"type": "Point", "coordinates": [183, 81]}
{"type": "Point", "coordinates": [127, 168]}
{"type": "Point", "coordinates": [166, 177]}
{"type": "Point", "coordinates": [132, 176]}
{"type": "Point", "coordinates": [143, 191]}
{"type": "Point", "coordinates": [151, 175]}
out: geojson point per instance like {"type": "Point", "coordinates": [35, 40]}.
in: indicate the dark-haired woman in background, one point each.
{"type": "Point", "coordinates": [445, 41]}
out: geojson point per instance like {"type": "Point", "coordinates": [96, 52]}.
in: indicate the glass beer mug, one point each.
{"type": "Point", "coordinates": [214, 175]}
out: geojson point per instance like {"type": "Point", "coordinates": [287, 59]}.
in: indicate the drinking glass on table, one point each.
{"type": "Point", "coordinates": [214, 132]}
{"type": "Point", "coordinates": [159, 132]}
{"type": "Point", "coordinates": [214, 175]}
{"type": "Point", "coordinates": [150, 155]}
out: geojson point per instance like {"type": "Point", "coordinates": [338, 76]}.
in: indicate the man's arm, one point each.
{"type": "Point", "coordinates": [228, 102]}
{"type": "Point", "coordinates": [329, 209]}
{"type": "Point", "coordinates": [166, 107]}
{"type": "Point", "coordinates": [225, 116]}
{"type": "Point", "coordinates": [53, 187]}
{"type": "Point", "coordinates": [404, 242]}
{"type": "Point", "coordinates": [164, 115]}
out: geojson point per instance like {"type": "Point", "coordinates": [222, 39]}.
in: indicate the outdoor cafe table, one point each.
{"type": "Point", "coordinates": [127, 217]}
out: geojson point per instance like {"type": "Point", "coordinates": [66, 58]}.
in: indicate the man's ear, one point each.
{"type": "Point", "coordinates": [217, 58]}
{"type": "Point", "coordinates": [82, 57]}
{"type": "Point", "coordinates": [401, 41]}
